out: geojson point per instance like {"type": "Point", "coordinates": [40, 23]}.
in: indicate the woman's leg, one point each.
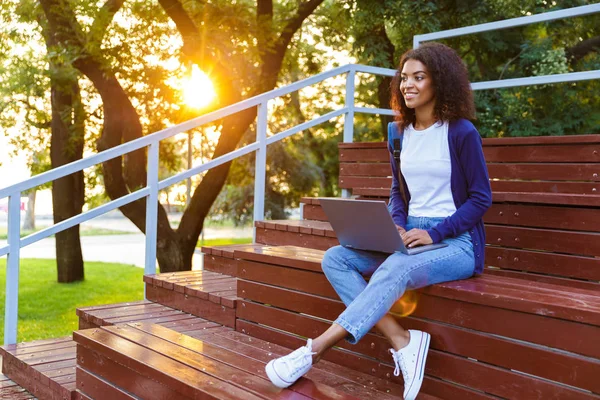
{"type": "Point", "coordinates": [368, 304]}
{"type": "Point", "coordinates": [345, 269]}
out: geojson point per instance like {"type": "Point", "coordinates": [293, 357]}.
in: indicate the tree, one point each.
{"type": "Point", "coordinates": [121, 121]}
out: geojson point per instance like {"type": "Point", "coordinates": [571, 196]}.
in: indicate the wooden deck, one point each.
{"type": "Point", "coordinates": [147, 361]}
{"type": "Point", "coordinates": [47, 367]}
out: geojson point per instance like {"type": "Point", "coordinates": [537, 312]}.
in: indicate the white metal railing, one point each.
{"type": "Point", "coordinates": [13, 192]}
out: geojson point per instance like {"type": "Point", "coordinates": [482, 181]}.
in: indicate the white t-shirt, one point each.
{"type": "Point", "coordinates": [425, 164]}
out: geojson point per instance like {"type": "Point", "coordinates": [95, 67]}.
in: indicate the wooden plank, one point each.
{"type": "Point", "coordinates": [553, 153]}
{"type": "Point", "coordinates": [124, 376]}
{"type": "Point", "coordinates": [185, 381]}
{"type": "Point", "coordinates": [365, 169]}
{"type": "Point", "coordinates": [542, 216]}
{"type": "Point", "coordinates": [548, 198]}
{"type": "Point", "coordinates": [288, 256]}
{"type": "Point", "coordinates": [372, 194]}
{"type": "Point", "coordinates": [543, 171]}
{"type": "Point", "coordinates": [498, 381]}
{"type": "Point", "coordinates": [290, 300]}
{"type": "Point", "coordinates": [278, 238]}
{"type": "Point", "coordinates": [97, 388]}
{"type": "Point", "coordinates": [364, 154]}
{"type": "Point", "coordinates": [290, 278]}
{"type": "Point", "coordinates": [355, 182]}
{"type": "Point", "coordinates": [96, 316]}
{"type": "Point", "coordinates": [363, 145]}
{"type": "Point", "coordinates": [557, 241]}
{"type": "Point", "coordinates": [530, 297]}
{"type": "Point", "coordinates": [201, 357]}
{"type": "Point", "coordinates": [313, 212]}
{"type": "Point", "coordinates": [532, 328]}
{"type": "Point", "coordinates": [554, 280]}
{"type": "Point", "coordinates": [105, 306]}
{"type": "Point", "coordinates": [580, 188]}
{"type": "Point", "coordinates": [223, 265]}
{"type": "Point", "coordinates": [372, 345]}
{"type": "Point", "coordinates": [541, 140]}
{"type": "Point", "coordinates": [201, 308]}
{"type": "Point", "coordinates": [546, 263]}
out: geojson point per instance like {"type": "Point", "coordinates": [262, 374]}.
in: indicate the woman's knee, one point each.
{"type": "Point", "coordinates": [333, 257]}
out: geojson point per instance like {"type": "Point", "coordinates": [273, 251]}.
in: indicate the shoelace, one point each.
{"type": "Point", "coordinates": [295, 360]}
{"type": "Point", "coordinates": [400, 364]}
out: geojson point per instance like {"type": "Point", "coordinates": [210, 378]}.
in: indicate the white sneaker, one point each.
{"type": "Point", "coordinates": [411, 361]}
{"type": "Point", "coordinates": [284, 371]}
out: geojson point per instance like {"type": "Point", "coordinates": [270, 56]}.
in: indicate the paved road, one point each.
{"type": "Point", "coordinates": [127, 248]}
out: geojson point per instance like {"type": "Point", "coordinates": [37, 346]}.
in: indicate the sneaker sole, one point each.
{"type": "Point", "coordinates": [274, 377]}
{"type": "Point", "coordinates": [414, 389]}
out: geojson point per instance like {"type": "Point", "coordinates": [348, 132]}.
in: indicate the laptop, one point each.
{"type": "Point", "coordinates": [367, 225]}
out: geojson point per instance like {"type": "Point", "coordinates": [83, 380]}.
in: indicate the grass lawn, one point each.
{"type": "Point", "coordinates": [223, 242]}
{"type": "Point", "coordinates": [47, 308]}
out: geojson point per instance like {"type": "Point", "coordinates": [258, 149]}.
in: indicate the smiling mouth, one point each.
{"type": "Point", "coordinates": [409, 96]}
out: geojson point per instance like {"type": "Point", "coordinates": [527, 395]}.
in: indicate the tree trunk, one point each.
{"type": "Point", "coordinates": [122, 124]}
{"type": "Point", "coordinates": [29, 222]}
{"type": "Point", "coordinates": [66, 145]}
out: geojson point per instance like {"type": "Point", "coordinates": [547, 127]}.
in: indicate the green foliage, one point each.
{"type": "Point", "coordinates": [47, 308]}
{"type": "Point", "coordinates": [532, 50]}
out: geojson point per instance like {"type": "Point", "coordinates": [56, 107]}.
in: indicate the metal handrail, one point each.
{"type": "Point", "coordinates": [151, 141]}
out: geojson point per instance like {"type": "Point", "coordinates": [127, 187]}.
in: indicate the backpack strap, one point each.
{"type": "Point", "coordinates": [395, 139]}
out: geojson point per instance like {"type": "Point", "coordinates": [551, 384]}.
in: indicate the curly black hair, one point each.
{"type": "Point", "coordinates": [453, 94]}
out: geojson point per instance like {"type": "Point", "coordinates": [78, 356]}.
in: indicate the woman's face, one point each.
{"type": "Point", "coordinates": [416, 85]}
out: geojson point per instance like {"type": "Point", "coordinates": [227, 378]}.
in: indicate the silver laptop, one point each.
{"type": "Point", "coordinates": [367, 225]}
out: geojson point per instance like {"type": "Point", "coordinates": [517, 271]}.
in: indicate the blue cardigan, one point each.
{"type": "Point", "coordinates": [470, 185]}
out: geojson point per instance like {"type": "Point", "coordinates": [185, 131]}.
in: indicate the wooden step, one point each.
{"type": "Point", "coordinates": [147, 312]}
{"type": "Point", "coordinates": [287, 297]}
{"type": "Point", "coordinates": [309, 234]}
{"type": "Point", "coordinates": [12, 390]}
{"type": "Point", "coordinates": [220, 258]}
{"type": "Point", "coordinates": [206, 294]}
{"type": "Point", "coordinates": [311, 210]}
{"type": "Point", "coordinates": [45, 368]}
{"type": "Point", "coordinates": [147, 360]}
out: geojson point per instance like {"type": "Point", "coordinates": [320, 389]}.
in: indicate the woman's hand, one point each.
{"type": "Point", "coordinates": [401, 230]}
{"type": "Point", "coordinates": [416, 237]}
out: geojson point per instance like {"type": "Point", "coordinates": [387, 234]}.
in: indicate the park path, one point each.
{"type": "Point", "coordinates": [128, 248]}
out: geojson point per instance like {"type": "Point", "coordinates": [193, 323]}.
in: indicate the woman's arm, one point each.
{"type": "Point", "coordinates": [396, 206]}
{"type": "Point", "coordinates": [479, 192]}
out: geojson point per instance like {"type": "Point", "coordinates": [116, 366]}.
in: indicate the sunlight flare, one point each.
{"type": "Point", "coordinates": [198, 90]}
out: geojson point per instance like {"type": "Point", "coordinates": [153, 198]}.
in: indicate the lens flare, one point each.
{"type": "Point", "coordinates": [198, 90]}
{"type": "Point", "coordinates": [406, 305]}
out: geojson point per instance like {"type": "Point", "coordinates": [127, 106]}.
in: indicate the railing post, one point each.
{"type": "Point", "coordinates": [349, 117]}
{"type": "Point", "coordinates": [151, 210]}
{"type": "Point", "coordinates": [416, 41]}
{"type": "Point", "coordinates": [260, 174]}
{"type": "Point", "coordinates": [11, 309]}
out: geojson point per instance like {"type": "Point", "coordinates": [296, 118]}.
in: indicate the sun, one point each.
{"type": "Point", "coordinates": [198, 90]}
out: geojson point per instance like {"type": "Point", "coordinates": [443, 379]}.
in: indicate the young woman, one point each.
{"type": "Point", "coordinates": [439, 194]}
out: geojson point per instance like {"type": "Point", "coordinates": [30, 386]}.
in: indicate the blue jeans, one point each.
{"type": "Point", "coordinates": [391, 276]}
